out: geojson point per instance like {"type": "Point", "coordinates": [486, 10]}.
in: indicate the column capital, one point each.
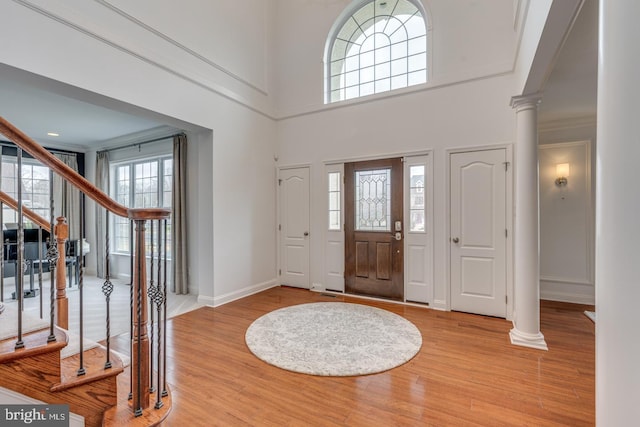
{"type": "Point", "coordinates": [526, 102]}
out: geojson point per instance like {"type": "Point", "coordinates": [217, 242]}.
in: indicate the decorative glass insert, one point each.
{"type": "Point", "coordinates": [373, 200]}
{"type": "Point", "coordinates": [381, 47]}
{"type": "Point", "coordinates": [416, 202]}
{"type": "Point", "coordinates": [334, 200]}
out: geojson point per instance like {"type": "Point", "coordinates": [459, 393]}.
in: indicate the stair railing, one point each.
{"type": "Point", "coordinates": [140, 354]}
{"type": "Point", "coordinates": [55, 256]}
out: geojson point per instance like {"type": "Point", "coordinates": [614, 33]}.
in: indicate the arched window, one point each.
{"type": "Point", "coordinates": [375, 47]}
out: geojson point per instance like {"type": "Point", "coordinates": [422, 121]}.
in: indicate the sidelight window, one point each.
{"type": "Point", "coordinates": [417, 198]}
{"type": "Point", "coordinates": [334, 201]}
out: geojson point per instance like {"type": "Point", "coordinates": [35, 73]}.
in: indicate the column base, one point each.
{"type": "Point", "coordinates": [528, 340]}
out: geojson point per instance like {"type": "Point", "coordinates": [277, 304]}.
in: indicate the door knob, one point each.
{"type": "Point", "coordinates": [456, 240]}
{"type": "Point", "coordinates": [306, 233]}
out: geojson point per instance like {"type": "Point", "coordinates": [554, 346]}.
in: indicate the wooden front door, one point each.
{"type": "Point", "coordinates": [374, 228]}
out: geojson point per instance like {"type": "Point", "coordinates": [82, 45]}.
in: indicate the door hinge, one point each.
{"type": "Point", "coordinates": [506, 233]}
{"type": "Point", "coordinates": [280, 272]}
{"type": "Point", "coordinates": [506, 165]}
{"type": "Point", "coordinates": [279, 227]}
{"type": "Point", "coordinates": [279, 181]}
{"type": "Point", "coordinates": [506, 299]}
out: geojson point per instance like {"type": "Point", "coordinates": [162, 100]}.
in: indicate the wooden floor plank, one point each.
{"type": "Point", "coordinates": [467, 372]}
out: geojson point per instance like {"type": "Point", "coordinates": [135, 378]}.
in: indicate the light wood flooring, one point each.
{"type": "Point", "coordinates": [466, 374]}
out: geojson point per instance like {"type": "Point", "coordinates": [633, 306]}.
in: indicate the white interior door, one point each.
{"type": "Point", "coordinates": [478, 232]}
{"type": "Point", "coordinates": [294, 227]}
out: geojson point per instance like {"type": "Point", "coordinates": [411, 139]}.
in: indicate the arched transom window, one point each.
{"type": "Point", "coordinates": [380, 47]}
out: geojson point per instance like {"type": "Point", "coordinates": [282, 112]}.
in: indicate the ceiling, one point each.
{"type": "Point", "coordinates": [37, 105]}
{"type": "Point", "coordinates": [571, 90]}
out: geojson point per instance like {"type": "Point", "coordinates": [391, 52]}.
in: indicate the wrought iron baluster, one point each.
{"type": "Point", "coordinates": [158, 299]}
{"type": "Point", "coordinates": [107, 289]}
{"type": "Point", "coordinates": [39, 268]}
{"type": "Point", "coordinates": [52, 258]}
{"type": "Point", "coordinates": [19, 274]}
{"type": "Point", "coordinates": [165, 393]}
{"type": "Point", "coordinates": [80, 266]}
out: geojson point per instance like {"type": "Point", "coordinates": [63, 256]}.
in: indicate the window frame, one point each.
{"type": "Point", "coordinates": [160, 194]}
{"type": "Point", "coordinates": [340, 22]}
{"type": "Point", "coordinates": [44, 212]}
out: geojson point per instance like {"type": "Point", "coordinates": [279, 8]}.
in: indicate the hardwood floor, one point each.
{"type": "Point", "coordinates": [466, 374]}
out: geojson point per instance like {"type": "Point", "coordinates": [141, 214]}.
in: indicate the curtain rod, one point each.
{"type": "Point", "coordinates": [51, 150]}
{"type": "Point", "coordinates": [138, 144]}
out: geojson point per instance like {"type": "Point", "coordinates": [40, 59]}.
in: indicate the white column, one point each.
{"type": "Point", "coordinates": [618, 216]}
{"type": "Point", "coordinates": [526, 318]}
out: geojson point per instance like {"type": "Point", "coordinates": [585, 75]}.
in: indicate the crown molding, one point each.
{"type": "Point", "coordinates": [568, 123]}
{"type": "Point", "coordinates": [181, 46]}
{"type": "Point", "coordinates": [74, 20]}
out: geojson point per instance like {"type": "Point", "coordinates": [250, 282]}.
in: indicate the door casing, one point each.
{"type": "Point", "coordinates": [509, 220]}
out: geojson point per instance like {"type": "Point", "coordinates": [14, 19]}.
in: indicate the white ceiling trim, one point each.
{"type": "Point", "coordinates": [166, 61]}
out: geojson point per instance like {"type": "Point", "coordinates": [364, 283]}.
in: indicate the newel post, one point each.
{"type": "Point", "coordinates": [140, 339]}
{"type": "Point", "coordinates": [61, 231]}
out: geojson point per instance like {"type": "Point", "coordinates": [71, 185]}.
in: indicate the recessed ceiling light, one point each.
{"type": "Point", "coordinates": [53, 134]}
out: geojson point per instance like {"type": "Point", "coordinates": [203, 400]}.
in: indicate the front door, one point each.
{"type": "Point", "coordinates": [374, 228]}
{"type": "Point", "coordinates": [478, 232]}
{"type": "Point", "coordinates": [294, 227]}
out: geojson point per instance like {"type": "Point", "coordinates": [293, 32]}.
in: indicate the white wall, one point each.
{"type": "Point", "coordinates": [465, 115]}
{"type": "Point", "coordinates": [465, 104]}
{"type": "Point", "coordinates": [471, 39]}
{"type": "Point", "coordinates": [133, 57]}
{"type": "Point", "coordinates": [567, 225]}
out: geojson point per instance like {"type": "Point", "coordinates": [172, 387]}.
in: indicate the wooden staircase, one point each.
{"type": "Point", "coordinates": [104, 396]}
{"type": "Point", "coordinates": [38, 371]}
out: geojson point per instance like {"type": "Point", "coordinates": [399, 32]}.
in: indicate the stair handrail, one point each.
{"type": "Point", "coordinates": [34, 217]}
{"type": "Point", "coordinates": [81, 183]}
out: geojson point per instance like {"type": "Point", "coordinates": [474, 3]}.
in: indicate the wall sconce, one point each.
{"type": "Point", "coordinates": [562, 173]}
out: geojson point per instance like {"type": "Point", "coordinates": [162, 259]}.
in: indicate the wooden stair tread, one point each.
{"type": "Point", "coordinates": [122, 414]}
{"type": "Point", "coordinates": [34, 343]}
{"type": "Point", "coordinates": [94, 360]}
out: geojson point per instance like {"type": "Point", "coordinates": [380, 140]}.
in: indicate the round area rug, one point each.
{"type": "Point", "coordinates": [333, 339]}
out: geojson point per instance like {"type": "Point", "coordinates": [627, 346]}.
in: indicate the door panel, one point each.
{"type": "Point", "coordinates": [478, 239]}
{"type": "Point", "coordinates": [373, 205]}
{"type": "Point", "coordinates": [294, 227]}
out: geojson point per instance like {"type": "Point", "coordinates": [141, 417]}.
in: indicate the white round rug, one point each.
{"type": "Point", "coordinates": [333, 339]}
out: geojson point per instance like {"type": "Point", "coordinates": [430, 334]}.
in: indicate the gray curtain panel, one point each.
{"type": "Point", "coordinates": [180, 283]}
{"type": "Point", "coordinates": [102, 182]}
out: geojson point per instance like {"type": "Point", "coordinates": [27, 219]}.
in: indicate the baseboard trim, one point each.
{"type": "Point", "coordinates": [577, 293]}
{"type": "Point", "coordinates": [217, 301]}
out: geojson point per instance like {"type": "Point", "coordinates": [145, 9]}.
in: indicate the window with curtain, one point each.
{"type": "Point", "coordinates": [376, 47]}
{"type": "Point", "coordinates": [144, 183]}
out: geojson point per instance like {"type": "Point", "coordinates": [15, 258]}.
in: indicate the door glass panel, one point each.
{"type": "Point", "coordinates": [373, 200]}
{"type": "Point", "coordinates": [334, 201]}
{"type": "Point", "coordinates": [416, 204]}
